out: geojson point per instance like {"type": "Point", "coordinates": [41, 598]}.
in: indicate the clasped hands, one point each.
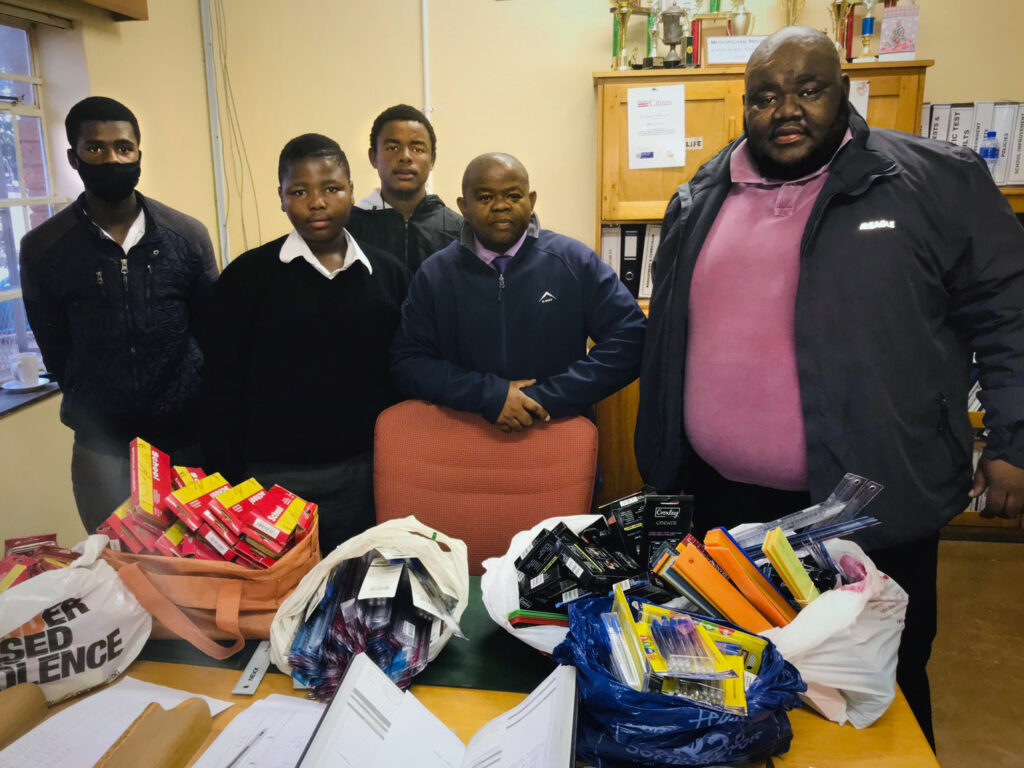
{"type": "Point", "coordinates": [519, 410]}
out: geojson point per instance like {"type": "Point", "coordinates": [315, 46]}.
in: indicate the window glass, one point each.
{"type": "Point", "coordinates": [14, 51]}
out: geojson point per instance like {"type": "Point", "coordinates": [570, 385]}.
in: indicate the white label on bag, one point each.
{"type": "Point", "coordinates": [381, 580]}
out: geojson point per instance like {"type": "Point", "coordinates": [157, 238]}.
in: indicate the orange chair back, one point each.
{"type": "Point", "coordinates": [461, 475]}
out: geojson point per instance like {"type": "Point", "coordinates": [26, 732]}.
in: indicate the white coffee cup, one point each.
{"type": "Point", "coordinates": [25, 368]}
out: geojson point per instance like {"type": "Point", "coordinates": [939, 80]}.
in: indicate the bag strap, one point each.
{"type": "Point", "coordinates": [171, 616]}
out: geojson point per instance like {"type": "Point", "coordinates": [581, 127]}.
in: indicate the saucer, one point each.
{"type": "Point", "coordinates": [16, 388]}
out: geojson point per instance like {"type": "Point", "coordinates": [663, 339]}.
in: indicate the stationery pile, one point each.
{"type": "Point", "coordinates": [28, 556]}
{"type": "Point", "coordinates": [389, 609]}
{"type": "Point", "coordinates": [183, 512]}
{"type": "Point", "coordinates": [560, 566]}
{"type": "Point", "coordinates": [754, 576]}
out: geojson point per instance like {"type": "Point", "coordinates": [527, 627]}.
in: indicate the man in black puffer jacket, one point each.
{"type": "Point", "coordinates": [116, 287]}
{"type": "Point", "coordinates": [399, 216]}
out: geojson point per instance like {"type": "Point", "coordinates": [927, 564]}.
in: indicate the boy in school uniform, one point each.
{"type": "Point", "coordinates": [399, 216]}
{"type": "Point", "coordinates": [298, 362]}
{"type": "Point", "coordinates": [497, 323]}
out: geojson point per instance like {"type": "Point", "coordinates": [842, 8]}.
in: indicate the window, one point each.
{"type": "Point", "coordinates": [25, 180]}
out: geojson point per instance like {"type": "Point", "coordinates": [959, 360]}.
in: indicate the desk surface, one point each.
{"type": "Point", "coordinates": [894, 741]}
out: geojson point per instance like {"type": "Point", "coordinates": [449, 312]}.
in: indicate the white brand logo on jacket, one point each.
{"type": "Point", "coordinates": [879, 224]}
{"type": "Point", "coordinates": [547, 298]}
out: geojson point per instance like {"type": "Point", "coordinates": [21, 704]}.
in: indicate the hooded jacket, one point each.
{"type": "Point", "coordinates": [467, 331]}
{"type": "Point", "coordinates": [431, 227]}
{"type": "Point", "coordinates": [911, 260]}
{"type": "Point", "coordinates": [120, 332]}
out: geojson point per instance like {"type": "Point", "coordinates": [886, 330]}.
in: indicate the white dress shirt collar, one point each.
{"type": "Point", "coordinates": [294, 247]}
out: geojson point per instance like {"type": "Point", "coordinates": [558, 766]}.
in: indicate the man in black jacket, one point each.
{"type": "Point", "coordinates": [400, 217]}
{"type": "Point", "coordinates": [116, 286]}
{"type": "Point", "coordinates": [781, 356]}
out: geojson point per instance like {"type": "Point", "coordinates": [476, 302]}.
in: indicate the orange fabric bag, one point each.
{"type": "Point", "coordinates": [203, 601]}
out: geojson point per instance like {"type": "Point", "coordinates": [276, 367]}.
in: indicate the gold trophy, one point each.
{"type": "Point", "coordinates": [622, 9]}
{"type": "Point", "coordinates": [840, 10]}
{"type": "Point", "coordinates": [792, 9]}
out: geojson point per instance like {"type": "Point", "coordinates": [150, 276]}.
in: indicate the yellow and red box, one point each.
{"type": "Point", "coordinates": [171, 543]}
{"type": "Point", "coordinates": [215, 524]}
{"type": "Point", "coordinates": [116, 523]}
{"type": "Point", "coordinates": [250, 556]}
{"type": "Point", "coordinates": [189, 502]}
{"type": "Point", "coordinates": [182, 476]}
{"type": "Point", "coordinates": [213, 538]}
{"type": "Point", "coordinates": [14, 569]}
{"type": "Point", "coordinates": [151, 480]}
{"type": "Point", "coordinates": [276, 517]}
{"type": "Point", "coordinates": [203, 551]}
{"type": "Point", "coordinates": [144, 527]}
{"type": "Point", "coordinates": [234, 508]}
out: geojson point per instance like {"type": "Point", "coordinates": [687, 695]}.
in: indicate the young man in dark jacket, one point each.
{"type": "Point", "coordinates": [400, 217]}
{"type": "Point", "coordinates": [498, 322]}
{"type": "Point", "coordinates": [116, 287]}
{"type": "Point", "coordinates": [819, 290]}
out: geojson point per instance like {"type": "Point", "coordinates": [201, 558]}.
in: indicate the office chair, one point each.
{"type": "Point", "coordinates": [461, 475]}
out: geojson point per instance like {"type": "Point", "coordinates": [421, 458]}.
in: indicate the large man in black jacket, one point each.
{"type": "Point", "coordinates": [115, 287]}
{"type": "Point", "coordinates": [907, 261]}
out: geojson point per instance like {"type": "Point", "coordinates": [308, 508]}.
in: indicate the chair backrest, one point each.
{"type": "Point", "coordinates": [461, 475]}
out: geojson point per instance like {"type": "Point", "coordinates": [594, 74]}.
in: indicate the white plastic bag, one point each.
{"type": "Point", "coordinates": [845, 642]}
{"type": "Point", "coordinates": [500, 587]}
{"type": "Point", "coordinates": [444, 557]}
{"type": "Point", "coordinates": [71, 629]}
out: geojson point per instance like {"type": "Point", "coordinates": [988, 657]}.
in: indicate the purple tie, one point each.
{"type": "Point", "coordinates": [501, 263]}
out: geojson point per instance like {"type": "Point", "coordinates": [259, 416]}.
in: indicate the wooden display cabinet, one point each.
{"type": "Point", "coordinates": [714, 114]}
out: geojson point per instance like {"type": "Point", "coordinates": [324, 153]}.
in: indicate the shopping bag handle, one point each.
{"type": "Point", "coordinates": [229, 599]}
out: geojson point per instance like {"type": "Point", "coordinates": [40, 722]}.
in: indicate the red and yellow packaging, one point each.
{"type": "Point", "coordinates": [214, 523]}
{"type": "Point", "coordinates": [234, 508]}
{"type": "Point", "coordinates": [216, 541]}
{"type": "Point", "coordinates": [189, 502]}
{"type": "Point", "coordinates": [151, 480]}
{"type": "Point", "coordinates": [276, 517]}
{"type": "Point", "coordinates": [182, 476]}
{"type": "Point", "coordinates": [14, 569]}
{"type": "Point", "coordinates": [249, 556]}
{"type": "Point", "coordinates": [144, 528]}
{"type": "Point", "coordinates": [203, 551]}
{"type": "Point", "coordinates": [172, 540]}
{"type": "Point", "coordinates": [116, 523]}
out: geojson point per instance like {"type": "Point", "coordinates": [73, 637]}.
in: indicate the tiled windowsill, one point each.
{"type": "Point", "coordinates": [11, 402]}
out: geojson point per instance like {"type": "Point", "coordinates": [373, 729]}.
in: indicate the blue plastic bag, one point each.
{"type": "Point", "coordinates": [619, 726]}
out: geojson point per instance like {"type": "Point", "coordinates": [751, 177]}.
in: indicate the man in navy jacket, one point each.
{"type": "Point", "coordinates": [497, 323]}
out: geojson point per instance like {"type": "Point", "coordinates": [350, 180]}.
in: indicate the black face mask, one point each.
{"type": "Point", "coordinates": [112, 182]}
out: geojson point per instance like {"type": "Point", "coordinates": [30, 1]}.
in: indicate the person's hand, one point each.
{"type": "Point", "coordinates": [1005, 485]}
{"type": "Point", "coordinates": [519, 411]}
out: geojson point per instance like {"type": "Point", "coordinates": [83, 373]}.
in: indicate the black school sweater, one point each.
{"type": "Point", "coordinates": [297, 369]}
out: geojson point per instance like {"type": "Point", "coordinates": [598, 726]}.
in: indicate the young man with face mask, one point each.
{"type": "Point", "coordinates": [116, 287]}
{"type": "Point", "coordinates": [819, 291]}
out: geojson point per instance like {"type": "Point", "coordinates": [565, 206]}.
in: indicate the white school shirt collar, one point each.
{"type": "Point", "coordinates": [295, 247]}
{"type": "Point", "coordinates": [135, 232]}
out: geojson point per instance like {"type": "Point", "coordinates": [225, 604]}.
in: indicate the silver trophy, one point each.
{"type": "Point", "coordinates": [672, 31]}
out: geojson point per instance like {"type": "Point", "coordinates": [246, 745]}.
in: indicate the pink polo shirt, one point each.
{"type": "Point", "coordinates": [741, 396]}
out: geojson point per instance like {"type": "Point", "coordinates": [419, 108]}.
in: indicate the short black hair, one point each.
{"type": "Point", "coordinates": [98, 109]}
{"type": "Point", "coordinates": [310, 145]}
{"type": "Point", "coordinates": [405, 113]}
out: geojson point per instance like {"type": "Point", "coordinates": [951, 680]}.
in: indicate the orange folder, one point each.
{"type": "Point", "coordinates": [750, 581]}
{"type": "Point", "coordinates": [697, 569]}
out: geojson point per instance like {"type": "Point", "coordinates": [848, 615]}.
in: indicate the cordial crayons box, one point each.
{"type": "Point", "coordinates": [249, 554]}
{"type": "Point", "coordinates": [215, 540]}
{"type": "Point", "coordinates": [214, 523]}
{"type": "Point", "coordinates": [276, 516]}
{"type": "Point", "coordinates": [667, 519]}
{"type": "Point", "coordinates": [182, 476]}
{"type": "Point", "coordinates": [14, 569]}
{"type": "Point", "coordinates": [203, 551]}
{"type": "Point", "coordinates": [172, 541]}
{"type": "Point", "coordinates": [189, 502]}
{"type": "Point", "coordinates": [142, 525]}
{"type": "Point", "coordinates": [151, 480]}
{"type": "Point", "coordinates": [125, 536]}
{"type": "Point", "coordinates": [236, 507]}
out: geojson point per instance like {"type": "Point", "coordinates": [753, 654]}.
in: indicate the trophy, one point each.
{"type": "Point", "coordinates": [741, 19]}
{"type": "Point", "coordinates": [867, 31]}
{"type": "Point", "coordinates": [840, 11]}
{"type": "Point", "coordinates": [792, 9]}
{"type": "Point", "coordinates": [622, 9]}
{"type": "Point", "coordinates": [672, 32]}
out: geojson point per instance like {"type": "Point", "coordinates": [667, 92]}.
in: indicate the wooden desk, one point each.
{"type": "Point", "coordinates": [894, 741]}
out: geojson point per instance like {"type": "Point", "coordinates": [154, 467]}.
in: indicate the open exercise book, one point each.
{"type": "Point", "coordinates": [370, 721]}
